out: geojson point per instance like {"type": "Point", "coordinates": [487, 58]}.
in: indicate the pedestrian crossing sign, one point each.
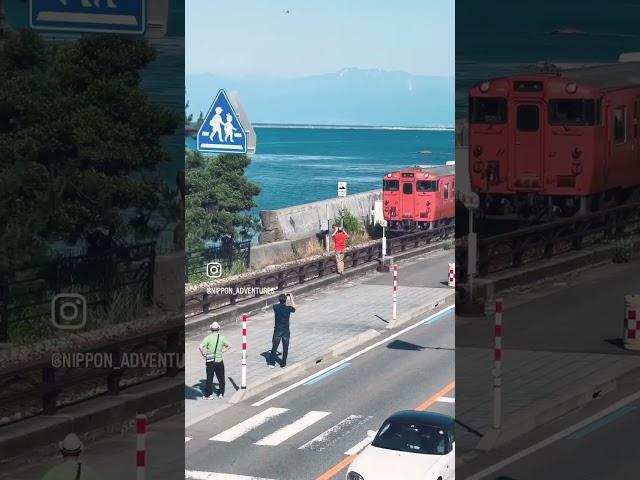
{"type": "Point", "coordinates": [221, 131]}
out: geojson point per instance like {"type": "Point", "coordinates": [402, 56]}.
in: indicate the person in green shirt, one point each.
{"type": "Point", "coordinates": [71, 468]}
{"type": "Point", "coordinates": [212, 348]}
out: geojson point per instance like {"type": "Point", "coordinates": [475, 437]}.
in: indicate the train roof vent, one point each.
{"type": "Point", "coordinates": [629, 57]}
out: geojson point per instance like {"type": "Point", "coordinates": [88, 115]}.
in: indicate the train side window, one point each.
{"type": "Point", "coordinates": [407, 188]}
{"type": "Point", "coordinates": [391, 185]}
{"type": "Point", "coordinates": [620, 124]}
{"type": "Point", "coordinates": [446, 191]}
{"type": "Point", "coordinates": [573, 112]}
{"type": "Point", "coordinates": [426, 186]}
{"type": "Point", "coordinates": [528, 118]}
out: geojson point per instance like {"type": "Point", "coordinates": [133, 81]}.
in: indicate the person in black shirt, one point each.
{"type": "Point", "coordinates": [282, 312]}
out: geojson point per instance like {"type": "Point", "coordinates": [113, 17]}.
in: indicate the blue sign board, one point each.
{"type": "Point", "coordinates": [222, 131]}
{"type": "Point", "coordinates": [100, 16]}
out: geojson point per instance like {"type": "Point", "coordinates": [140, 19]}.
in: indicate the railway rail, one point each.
{"type": "Point", "coordinates": [525, 246]}
{"type": "Point", "coordinates": [204, 299]}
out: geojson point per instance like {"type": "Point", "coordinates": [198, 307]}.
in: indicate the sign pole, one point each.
{"type": "Point", "coordinates": [497, 369]}
{"type": "Point", "coordinates": [395, 293]}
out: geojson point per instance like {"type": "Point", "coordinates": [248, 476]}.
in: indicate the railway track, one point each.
{"type": "Point", "coordinates": [216, 295]}
{"type": "Point", "coordinates": [522, 247]}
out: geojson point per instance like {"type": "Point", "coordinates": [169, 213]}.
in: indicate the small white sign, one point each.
{"type": "Point", "coordinates": [470, 200]}
{"type": "Point", "coordinates": [342, 189]}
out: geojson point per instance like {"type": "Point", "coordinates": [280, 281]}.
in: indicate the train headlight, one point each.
{"type": "Point", "coordinates": [484, 86]}
{"type": "Point", "coordinates": [576, 152]}
{"type": "Point", "coordinates": [572, 87]}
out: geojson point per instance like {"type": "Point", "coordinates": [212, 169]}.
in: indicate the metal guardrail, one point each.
{"type": "Point", "coordinates": [38, 387]}
{"type": "Point", "coordinates": [203, 299]}
{"type": "Point", "coordinates": [525, 246]}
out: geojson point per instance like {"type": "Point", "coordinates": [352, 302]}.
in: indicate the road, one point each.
{"type": "Point", "coordinates": [573, 314]}
{"type": "Point", "coordinates": [310, 431]}
{"type": "Point", "coordinates": [596, 442]}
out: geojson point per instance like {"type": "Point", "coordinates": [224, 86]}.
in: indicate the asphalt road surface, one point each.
{"type": "Point", "coordinates": [314, 430]}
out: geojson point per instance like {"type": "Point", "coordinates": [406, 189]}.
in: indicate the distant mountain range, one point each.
{"type": "Point", "coordinates": [347, 97]}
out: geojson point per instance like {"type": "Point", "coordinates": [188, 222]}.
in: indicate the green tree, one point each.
{"type": "Point", "coordinates": [200, 120]}
{"type": "Point", "coordinates": [218, 199]}
{"type": "Point", "coordinates": [79, 143]}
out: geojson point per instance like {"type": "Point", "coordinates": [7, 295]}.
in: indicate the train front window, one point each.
{"type": "Point", "coordinates": [407, 188]}
{"type": "Point", "coordinates": [488, 110]}
{"type": "Point", "coordinates": [528, 118]}
{"type": "Point", "coordinates": [574, 112]}
{"type": "Point", "coordinates": [426, 186]}
{"type": "Point", "coordinates": [391, 185]}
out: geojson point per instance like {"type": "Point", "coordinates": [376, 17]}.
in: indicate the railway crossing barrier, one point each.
{"type": "Point", "coordinates": [395, 293]}
{"type": "Point", "coordinates": [452, 275]}
{"type": "Point", "coordinates": [497, 367]}
{"type": "Point", "coordinates": [632, 322]}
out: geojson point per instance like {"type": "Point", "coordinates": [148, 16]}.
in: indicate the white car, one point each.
{"type": "Point", "coordinates": [410, 445]}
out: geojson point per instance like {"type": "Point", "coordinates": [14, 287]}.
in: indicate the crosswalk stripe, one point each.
{"type": "Point", "coordinates": [358, 447]}
{"type": "Point", "coordinates": [191, 474]}
{"type": "Point", "coordinates": [186, 439]}
{"type": "Point", "coordinates": [332, 434]}
{"type": "Point", "coordinates": [248, 425]}
{"type": "Point", "coordinates": [446, 400]}
{"type": "Point", "coordinates": [284, 433]}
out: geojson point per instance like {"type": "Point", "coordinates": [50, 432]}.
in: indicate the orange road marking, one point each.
{"type": "Point", "coordinates": [329, 474]}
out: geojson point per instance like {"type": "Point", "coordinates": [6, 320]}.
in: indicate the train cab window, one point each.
{"type": "Point", "coordinates": [407, 188]}
{"type": "Point", "coordinates": [488, 110]}
{"type": "Point", "coordinates": [446, 191]}
{"type": "Point", "coordinates": [426, 186]}
{"type": "Point", "coordinates": [574, 112]}
{"type": "Point", "coordinates": [391, 185]}
{"type": "Point", "coordinates": [620, 124]}
{"type": "Point", "coordinates": [528, 118]}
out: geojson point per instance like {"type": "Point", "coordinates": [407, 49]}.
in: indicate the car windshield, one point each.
{"type": "Point", "coordinates": [411, 437]}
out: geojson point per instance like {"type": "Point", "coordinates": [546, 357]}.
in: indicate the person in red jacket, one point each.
{"type": "Point", "coordinates": [340, 237]}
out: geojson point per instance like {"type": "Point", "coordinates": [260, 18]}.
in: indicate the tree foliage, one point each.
{"type": "Point", "coordinates": [218, 198]}
{"type": "Point", "coordinates": [79, 143]}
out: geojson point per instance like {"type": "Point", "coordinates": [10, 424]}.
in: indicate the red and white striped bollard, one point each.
{"type": "Point", "coordinates": [243, 383]}
{"type": "Point", "coordinates": [497, 366]}
{"type": "Point", "coordinates": [395, 292]}
{"type": "Point", "coordinates": [141, 430]}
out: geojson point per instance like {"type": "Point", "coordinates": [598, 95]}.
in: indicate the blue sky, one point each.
{"type": "Point", "coordinates": [257, 37]}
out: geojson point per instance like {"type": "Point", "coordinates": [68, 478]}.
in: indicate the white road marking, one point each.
{"type": "Point", "coordinates": [555, 437]}
{"type": "Point", "coordinates": [358, 447]}
{"type": "Point", "coordinates": [186, 439]}
{"type": "Point", "coordinates": [191, 474]}
{"type": "Point", "coordinates": [446, 400]}
{"type": "Point", "coordinates": [284, 433]}
{"type": "Point", "coordinates": [248, 425]}
{"type": "Point", "coordinates": [351, 357]}
{"type": "Point", "coordinates": [332, 434]}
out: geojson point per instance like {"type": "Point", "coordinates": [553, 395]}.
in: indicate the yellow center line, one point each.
{"type": "Point", "coordinates": [329, 474]}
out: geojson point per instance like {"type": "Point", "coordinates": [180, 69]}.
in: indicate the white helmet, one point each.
{"type": "Point", "coordinates": [71, 444]}
{"type": "Point", "coordinates": [215, 326]}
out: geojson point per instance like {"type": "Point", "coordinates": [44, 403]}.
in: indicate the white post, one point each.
{"type": "Point", "coordinates": [497, 370]}
{"type": "Point", "coordinates": [395, 292]}
{"type": "Point", "coordinates": [243, 382]}
{"type": "Point", "coordinates": [141, 428]}
{"type": "Point", "coordinates": [384, 244]}
{"type": "Point", "coordinates": [470, 245]}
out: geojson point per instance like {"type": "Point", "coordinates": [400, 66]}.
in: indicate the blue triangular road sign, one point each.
{"type": "Point", "coordinates": [222, 131]}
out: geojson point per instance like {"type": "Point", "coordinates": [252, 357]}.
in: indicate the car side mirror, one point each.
{"type": "Point", "coordinates": [371, 434]}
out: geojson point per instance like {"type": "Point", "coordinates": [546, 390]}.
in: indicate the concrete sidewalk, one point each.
{"type": "Point", "coordinates": [537, 387]}
{"type": "Point", "coordinates": [348, 313]}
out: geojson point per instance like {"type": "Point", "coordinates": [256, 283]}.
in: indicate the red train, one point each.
{"type": "Point", "coordinates": [419, 197]}
{"type": "Point", "coordinates": [556, 143]}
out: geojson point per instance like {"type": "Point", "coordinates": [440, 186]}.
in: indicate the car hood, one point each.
{"type": "Point", "coordinates": [381, 464]}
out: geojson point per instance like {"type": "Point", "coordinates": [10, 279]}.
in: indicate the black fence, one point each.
{"type": "Point", "coordinates": [226, 256]}
{"type": "Point", "coordinates": [60, 292]}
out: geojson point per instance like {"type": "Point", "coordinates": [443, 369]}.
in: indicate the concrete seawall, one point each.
{"type": "Point", "coordinates": [303, 221]}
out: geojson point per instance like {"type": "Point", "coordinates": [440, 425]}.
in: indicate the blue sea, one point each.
{"type": "Point", "coordinates": [504, 37]}
{"type": "Point", "coordinates": [301, 165]}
